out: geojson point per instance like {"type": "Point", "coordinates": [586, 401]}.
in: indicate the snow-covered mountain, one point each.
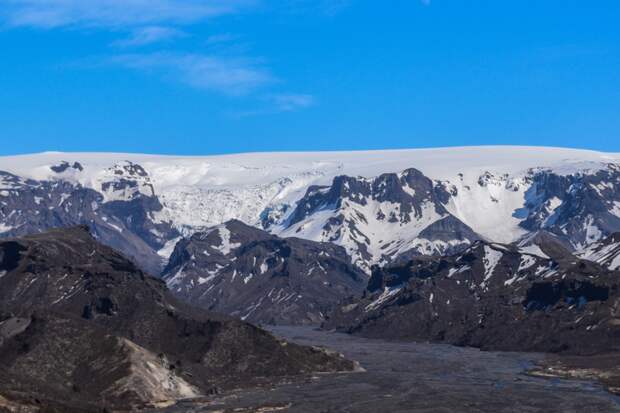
{"type": "Point", "coordinates": [377, 204]}
{"type": "Point", "coordinates": [381, 218]}
{"type": "Point", "coordinates": [120, 207]}
{"type": "Point", "coordinates": [378, 219]}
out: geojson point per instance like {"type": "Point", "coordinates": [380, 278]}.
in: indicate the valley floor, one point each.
{"type": "Point", "coordinates": [415, 377]}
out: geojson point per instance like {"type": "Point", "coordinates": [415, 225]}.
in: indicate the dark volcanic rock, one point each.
{"type": "Point", "coordinates": [63, 166]}
{"type": "Point", "coordinates": [246, 272]}
{"type": "Point", "coordinates": [494, 297]}
{"type": "Point", "coordinates": [82, 327]}
{"type": "Point", "coordinates": [548, 245]}
{"type": "Point", "coordinates": [605, 252]}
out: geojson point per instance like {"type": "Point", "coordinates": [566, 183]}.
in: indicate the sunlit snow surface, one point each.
{"type": "Point", "coordinates": [198, 192]}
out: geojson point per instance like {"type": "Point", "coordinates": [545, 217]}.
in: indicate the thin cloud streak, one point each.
{"type": "Point", "coordinates": [153, 22]}
{"type": "Point", "coordinates": [48, 14]}
{"type": "Point", "coordinates": [221, 38]}
{"type": "Point", "coordinates": [148, 35]}
{"type": "Point", "coordinates": [291, 102]}
{"type": "Point", "coordinates": [326, 7]}
{"type": "Point", "coordinates": [233, 77]}
{"type": "Point", "coordinates": [279, 103]}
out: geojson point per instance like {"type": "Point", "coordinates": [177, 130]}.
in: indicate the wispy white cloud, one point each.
{"type": "Point", "coordinates": [326, 7]}
{"type": "Point", "coordinates": [233, 77]}
{"type": "Point", "coordinates": [290, 102]}
{"type": "Point", "coordinates": [333, 7]}
{"type": "Point", "coordinates": [148, 35]}
{"type": "Point", "coordinates": [221, 38]}
{"type": "Point", "coordinates": [278, 103]}
{"type": "Point", "coordinates": [149, 22]}
{"type": "Point", "coordinates": [114, 13]}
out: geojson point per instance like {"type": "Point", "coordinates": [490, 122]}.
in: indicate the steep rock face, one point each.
{"type": "Point", "coordinates": [246, 272]}
{"type": "Point", "coordinates": [378, 219]}
{"type": "Point", "coordinates": [81, 326]}
{"type": "Point", "coordinates": [491, 296]}
{"type": "Point", "coordinates": [605, 252]}
{"type": "Point", "coordinates": [580, 208]}
{"type": "Point", "coordinates": [122, 212]}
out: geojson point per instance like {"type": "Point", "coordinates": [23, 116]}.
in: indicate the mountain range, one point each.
{"type": "Point", "coordinates": [163, 261]}
{"type": "Point", "coordinates": [380, 208]}
{"type": "Point", "coordinates": [375, 204]}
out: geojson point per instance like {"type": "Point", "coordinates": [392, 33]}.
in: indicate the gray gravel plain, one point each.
{"type": "Point", "coordinates": [414, 377]}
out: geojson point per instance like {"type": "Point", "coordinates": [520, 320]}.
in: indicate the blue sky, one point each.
{"type": "Point", "coordinates": [217, 76]}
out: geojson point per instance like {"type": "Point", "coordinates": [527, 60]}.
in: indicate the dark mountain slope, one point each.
{"type": "Point", "coordinates": [494, 297]}
{"type": "Point", "coordinates": [243, 271]}
{"type": "Point", "coordinates": [81, 324]}
{"type": "Point", "coordinates": [605, 252]}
